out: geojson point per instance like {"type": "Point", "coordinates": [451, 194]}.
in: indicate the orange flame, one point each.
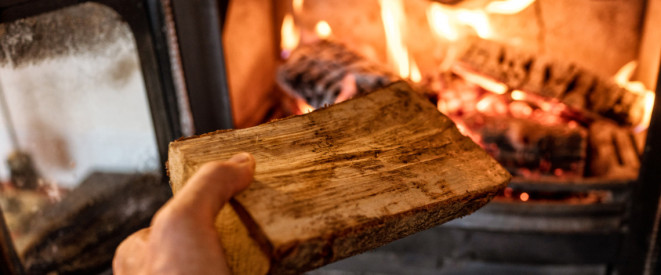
{"type": "Point", "coordinates": [646, 102]}
{"type": "Point", "coordinates": [508, 6]}
{"type": "Point", "coordinates": [303, 107]}
{"type": "Point", "coordinates": [323, 30]}
{"type": "Point", "coordinates": [415, 72]}
{"type": "Point", "coordinates": [441, 22]}
{"type": "Point", "coordinates": [392, 14]}
{"type": "Point", "coordinates": [624, 74]}
{"type": "Point", "coordinates": [476, 19]}
{"type": "Point", "coordinates": [394, 19]}
{"type": "Point", "coordinates": [446, 22]}
{"type": "Point", "coordinates": [298, 6]}
{"type": "Point", "coordinates": [289, 35]}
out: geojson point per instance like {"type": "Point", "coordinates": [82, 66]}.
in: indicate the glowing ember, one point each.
{"type": "Point", "coordinates": [492, 105]}
{"type": "Point", "coordinates": [508, 6]}
{"type": "Point", "coordinates": [512, 126]}
{"type": "Point", "coordinates": [481, 80]}
{"type": "Point", "coordinates": [348, 88]}
{"type": "Point", "coordinates": [646, 104]}
{"type": "Point", "coordinates": [520, 109]}
{"type": "Point", "coordinates": [290, 36]}
{"type": "Point", "coordinates": [524, 196]}
{"type": "Point", "coordinates": [518, 95]}
{"type": "Point", "coordinates": [440, 22]}
{"type": "Point", "coordinates": [323, 30]}
{"type": "Point", "coordinates": [508, 192]}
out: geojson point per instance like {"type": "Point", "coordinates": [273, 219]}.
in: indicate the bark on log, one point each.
{"type": "Point", "coordinates": [555, 78]}
{"type": "Point", "coordinates": [342, 180]}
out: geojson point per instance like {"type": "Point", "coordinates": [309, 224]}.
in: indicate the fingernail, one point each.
{"type": "Point", "coordinates": [240, 158]}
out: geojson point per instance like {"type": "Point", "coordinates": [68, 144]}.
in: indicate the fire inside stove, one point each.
{"type": "Point", "coordinates": [538, 118]}
{"type": "Point", "coordinates": [542, 116]}
{"type": "Point", "coordinates": [558, 91]}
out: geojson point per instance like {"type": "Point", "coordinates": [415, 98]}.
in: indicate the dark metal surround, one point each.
{"type": "Point", "coordinates": [146, 21]}
{"type": "Point", "coordinates": [9, 261]}
{"type": "Point", "coordinates": [199, 30]}
{"type": "Point", "coordinates": [639, 253]}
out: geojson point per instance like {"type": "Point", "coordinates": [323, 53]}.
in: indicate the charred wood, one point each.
{"type": "Point", "coordinates": [554, 78]}
{"type": "Point", "coordinates": [529, 148]}
{"type": "Point", "coordinates": [321, 72]}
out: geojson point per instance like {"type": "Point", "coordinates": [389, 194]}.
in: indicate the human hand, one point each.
{"type": "Point", "coordinates": [182, 238]}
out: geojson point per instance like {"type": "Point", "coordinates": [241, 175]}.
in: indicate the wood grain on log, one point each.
{"type": "Point", "coordinates": [342, 180]}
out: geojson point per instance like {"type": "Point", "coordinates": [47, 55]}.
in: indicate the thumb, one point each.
{"type": "Point", "coordinates": [212, 186]}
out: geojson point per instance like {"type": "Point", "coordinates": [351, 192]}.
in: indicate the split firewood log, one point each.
{"type": "Point", "coordinates": [342, 180]}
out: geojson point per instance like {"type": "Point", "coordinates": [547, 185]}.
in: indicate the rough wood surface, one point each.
{"type": "Point", "coordinates": [342, 180]}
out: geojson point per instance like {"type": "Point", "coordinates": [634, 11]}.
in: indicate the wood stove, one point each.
{"type": "Point", "coordinates": [550, 209]}
{"type": "Point", "coordinates": [556, 216]}
{"type": "Point", "coordinates": [102, 88]}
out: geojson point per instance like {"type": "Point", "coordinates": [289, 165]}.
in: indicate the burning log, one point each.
{"type": "Point", "coordinates": [323, 72]}
{"type": "Point", "coordinates": [342, 180]}
{"type": "Point", "coordinates": [527, 148]}
{"type": "Point", "coordinates": [556, 79]}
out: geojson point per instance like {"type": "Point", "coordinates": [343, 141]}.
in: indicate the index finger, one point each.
{"type": "Point", "coordinates": [212, 186]}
